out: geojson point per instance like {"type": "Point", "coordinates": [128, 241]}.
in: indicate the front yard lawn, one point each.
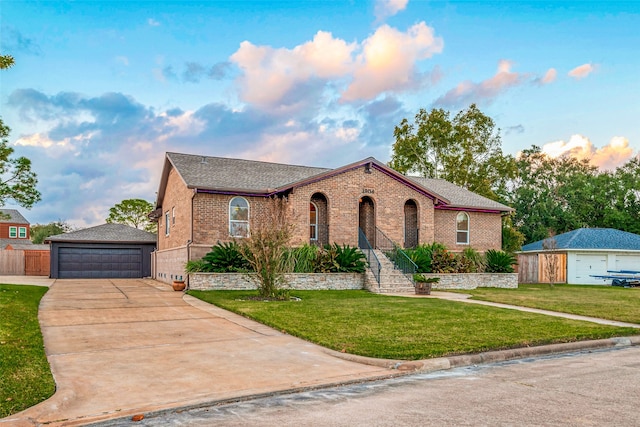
{"type": "Point", "coordinates": [25, 378]}
{"type": "Point", "coordinates": [367, 324]}
{"type": "Point", "coordinates": [605, 302]}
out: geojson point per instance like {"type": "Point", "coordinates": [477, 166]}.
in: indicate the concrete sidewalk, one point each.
{"type": "Point", "coordinates": [123, 347]}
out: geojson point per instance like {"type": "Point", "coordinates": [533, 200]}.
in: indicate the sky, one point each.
{"type": "Point", "coordinates": [101, 90]}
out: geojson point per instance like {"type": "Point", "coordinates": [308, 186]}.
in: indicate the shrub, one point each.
{"type": "Point", "coordinates": [197, 266]}
{"type": "Point", "coordinates": [443, 261]}
{"type": "Point", "coordinates": [340, 259]}
{"type": "Point", "coordinates": [471, 261]}
{"type": "Point", "coordinates": [226, 258]}
{"type": "Point", "coordinates": [302, 259]}
{"type": "Point", "coordinates": [499, 262]}
{"type": "Point", "coordinates": [422, 255]}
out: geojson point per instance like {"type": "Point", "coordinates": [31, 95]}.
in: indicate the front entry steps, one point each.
{"type": "Point", "coordinates": [392, 281]}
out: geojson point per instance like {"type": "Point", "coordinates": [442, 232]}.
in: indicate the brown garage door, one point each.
{"type": "Point", "coordinates": [99, 263]}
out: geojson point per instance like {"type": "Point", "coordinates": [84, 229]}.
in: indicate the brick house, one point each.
{"type": "Point", "coordinates": [204, 200]}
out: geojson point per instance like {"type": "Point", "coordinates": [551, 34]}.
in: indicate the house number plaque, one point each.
{"type": "Point", "coordinates": [368, 191]}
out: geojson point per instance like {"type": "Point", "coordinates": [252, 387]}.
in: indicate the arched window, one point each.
{"type": "Point", "coordinates": [462, 228]}
{"type": "Point", "coordinates": [313, 221]}
{"type": "Point", "coordinates": [239, 217]}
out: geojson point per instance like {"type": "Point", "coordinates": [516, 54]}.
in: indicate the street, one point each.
{"type": "Point", "coordinates": [583, 389]}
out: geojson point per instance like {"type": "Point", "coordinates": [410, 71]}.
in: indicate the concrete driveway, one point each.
{"type": "Point", "coordinates": [123, 347]}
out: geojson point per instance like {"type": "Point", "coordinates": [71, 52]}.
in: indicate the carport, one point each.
{"type": "Point", "coordinates": [108, 251]}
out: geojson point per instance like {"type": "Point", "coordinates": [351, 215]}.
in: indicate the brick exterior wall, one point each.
{"type": "Point", "coordinates": [177, 202]}
{"type": "Point", "coordinates": [485, 230]}
{"type": "Point", "coordinates": [343, 193]}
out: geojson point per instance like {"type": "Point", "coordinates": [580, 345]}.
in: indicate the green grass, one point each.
{"type": "Point", "coordinates": [25, 377]}
{"type": "Point", "coordinates": [605, 302]}
{"type": "Point", "coordinates": [372, 325]}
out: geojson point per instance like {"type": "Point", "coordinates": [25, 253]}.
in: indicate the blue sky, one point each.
{"type": "Point", "coordinates": [102, 89]}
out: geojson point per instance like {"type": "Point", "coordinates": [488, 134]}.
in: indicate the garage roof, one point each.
{"type": "Point", "coordinates": [106, 233]}
{"type": "Point", "coordinates": [591, 238]}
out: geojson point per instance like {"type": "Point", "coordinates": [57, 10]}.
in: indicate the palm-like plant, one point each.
{"type": "Point", "coordinates": [499, 262]}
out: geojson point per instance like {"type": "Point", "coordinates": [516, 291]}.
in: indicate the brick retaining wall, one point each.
{"type": "Point", "coordinates": [299, 281]}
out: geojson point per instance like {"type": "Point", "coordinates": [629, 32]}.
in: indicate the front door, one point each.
{"type": "Point", "coordinates": [367, 219]}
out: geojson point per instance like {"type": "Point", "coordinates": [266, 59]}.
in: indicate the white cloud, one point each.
{"type": "Point", "coordinates": [152, 22]}
{"type": "Point", "coordinates": [581, 71]}
{"type": "Point", "coordinates": [386, 8]}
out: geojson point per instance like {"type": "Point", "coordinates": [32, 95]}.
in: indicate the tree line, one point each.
{"type": "Point", "coordinates": [550, 195]}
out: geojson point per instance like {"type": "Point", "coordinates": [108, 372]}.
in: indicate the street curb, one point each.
{"type": "Point", "coordinates": [444, 363]}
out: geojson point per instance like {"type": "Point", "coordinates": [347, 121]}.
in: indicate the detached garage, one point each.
{"type": "Point", "coordinates": [581, 254]}
{"type": "Point", "coordinates": [109, 251]}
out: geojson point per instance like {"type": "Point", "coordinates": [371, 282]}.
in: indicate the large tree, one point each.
{"type": "Point", "coordinates": [556, 195]}
{"type": "Point", "coordinates": [39, 232]}
{"type": "Point", "coordinates": [133, 212]}
{"type": "Point", "coordinates": [465, 150]}
{"type": "Point", "coordinates": [17, 181]}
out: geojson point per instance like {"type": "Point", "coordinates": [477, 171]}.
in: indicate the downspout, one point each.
{"type": "Point", "coordinates": [190, 241]}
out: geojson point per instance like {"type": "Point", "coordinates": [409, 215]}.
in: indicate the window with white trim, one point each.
{"type": "Point", "coordinates": [462, 228]}
{"type": "Point", "coordinates": [313, 221]}
{"type": "Point", "coordinates": [13, 232]}
{"type": "Point", "coordinates": [239, 217]}
{"type": "Point", "coordinates": [22, 232]}
{"type": "Point", "coordinates": [167, 223]}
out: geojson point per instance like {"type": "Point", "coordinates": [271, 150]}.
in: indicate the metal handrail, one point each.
{"type": "Point", "coordinates": [372, 259]}
{"type": "Point", "coordinates": [398, 257]}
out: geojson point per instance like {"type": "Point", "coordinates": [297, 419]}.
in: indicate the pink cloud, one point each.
{"type": "Point", "coordinates": [581, 71]}
{"type": "Point", "coordinates": [384, 62]}
{"type": "Point", "coordinates": [388, 58]}
{"type": "Point", "coordinates": [549, 77]}
{"type": "Point", "coordinates": [469, 91]}
{"type": "Point", "coordinates": [616, 153]}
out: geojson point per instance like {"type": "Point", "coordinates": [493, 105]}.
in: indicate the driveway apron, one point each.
{"type": "Point", "coordinates": [129, 346]}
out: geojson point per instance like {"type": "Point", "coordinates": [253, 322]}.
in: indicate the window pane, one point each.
{"type": "Point", "coordinates": [461, 237]}
{"type": "Point", "coordinates": [313, 235]}
{"type": "Point", "coordinates": [239, 209]}
{"type": "Point", "coordinates": [463, 221]}
{"type": "Point", "coordinates": [13, 232]}
{"type": "Point", "coordinates": [239, 229]}
{"type": "Point", "coordinates": [23, 232]}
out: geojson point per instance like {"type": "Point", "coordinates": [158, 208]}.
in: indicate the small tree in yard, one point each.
{"type": "Point", "coordinates": [266, 246]}
{"type": "Point", "coordinates": [550, 246]}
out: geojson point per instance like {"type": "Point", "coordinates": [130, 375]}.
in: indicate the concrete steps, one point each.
{"type": "Point", "coordinates": [391, 280]}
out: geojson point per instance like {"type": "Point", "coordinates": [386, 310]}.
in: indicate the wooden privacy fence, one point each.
{"type": "Point", "coordinates": [533, 268]}
{"type": "Point", "coordinates": [19, 262]}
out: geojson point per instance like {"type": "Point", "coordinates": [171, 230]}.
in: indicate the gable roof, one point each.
{"type": "Point", "coordinates": [459, 197]}
{"type": "Point", "coordinates": [12, 216]}
{"type": "Point", "coordinates": [106, 233]}
{"type": "Point", "coordinates": [248, 177]}
{"type": "Point", "coordinates": [591, 238]}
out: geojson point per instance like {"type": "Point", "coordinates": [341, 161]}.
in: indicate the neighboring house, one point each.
{"type": "Point", "coordinates": [586, 252]}
{"type": "Point", "coordinates": [14, 228]}
{"type": "Point", "coordinates": [17, 254]}
{"type": "Point", "coordinates": [106, 251]}
{"type": "Point", "coordinates": [204, 200]}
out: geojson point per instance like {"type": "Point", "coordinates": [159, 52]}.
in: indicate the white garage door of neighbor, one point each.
{"type": "Point", "coordinates": [588, 264]}
{"type": "Point", "coordinates": [628, 262]}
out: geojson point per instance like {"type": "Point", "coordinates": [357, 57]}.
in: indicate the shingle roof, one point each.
{"type": "Point", "coordinates": [248, 176]}
{"type": "Point", "coordinates": [5, 242]}
{"type": "Point", "coordinates": [106, 233]}
{"type": "Point", "coordinates": [235, 174]}
{"type": "Point", "coordinates": [458, 196]}
{"type": "Point", "coordinates": [591, 238]}
{"type": "Point", "coordinates": [15, 217]}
